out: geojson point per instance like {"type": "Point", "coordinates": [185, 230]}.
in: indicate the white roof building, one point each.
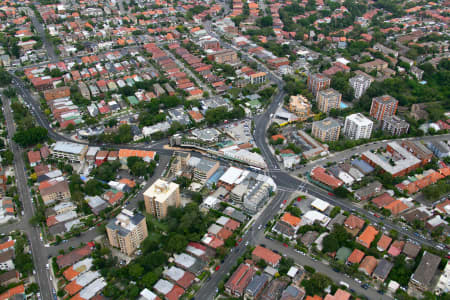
{"type": "Point", "coordinates": [231, 175]}
{"type": "Point", "coordinates": [147, 295]}
{"type": "Point", "coordinates": [320, 205]}
{"type": "Point", "coordinates": [163, 286]}
{"type": "Point", "coordinates": [93, 289]}
{"type": "Point", "coordinates": [312, 216]}
{"type": "Point", "coordinates": [184, 260]}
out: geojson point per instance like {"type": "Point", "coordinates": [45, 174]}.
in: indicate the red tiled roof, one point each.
{"type": "Point", "coordinates": [384, 242]}
{"type": "Point", "coordinates": [367, 236]}
{"type": "Point", "coordinates": [368, 264]}
{"type": "Point", "coordinates": [13, 291]}
{"type": "Point", "coordinates": [267, 255]}
{"type": "Point", "coordinates": [383, 200]}
{"type": "Point", "coordinates": [354, 222]}
{"type": "Point", "coordinates": [356, 256]}
{"type": "Point", "coordinates": [319, 174]}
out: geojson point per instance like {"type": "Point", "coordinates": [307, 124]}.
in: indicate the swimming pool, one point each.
{"type": "Point", "coordinates": [343, 105]}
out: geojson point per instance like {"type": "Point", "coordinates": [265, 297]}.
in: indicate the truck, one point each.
{"type": "Point", "coordinates": [343, 283]}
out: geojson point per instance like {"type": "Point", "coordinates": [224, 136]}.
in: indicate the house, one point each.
{"type": "Point", "coordinates": [369, 191]}
{"type": "Point", "coordinates": [383, 243]}
{"type": "Point", "coordinates": [353, 224]}
{"type": "Point", "coordinates": [7, 260]}
{"type": "Point", "coordinates": [367, 237]}
{"type": "Point", "coordinates": [319, 174]}
{"type": "Point", "coordinates": [9, 277]}
{"type": "Point", "coordinates": [74, 256]}
{"type": "Point", "coordinates": [356, 257]}
{"type": "Point", "coordinates": [382, 270]}
{"type": "Point", "coordinates": [368, 265]}
{"type": "Point", "coordinates": [383, 200]}
{"type": "Point", "coordinates": [411, 250]}
{"type": "Point", "coordinates": [396, 248]}
{"type": "Point", "coordinates": [239, 280]}
{"type": "Point", "coordinates": [34, 158]}
{"type": "Point", "coordinates": [262, 253]}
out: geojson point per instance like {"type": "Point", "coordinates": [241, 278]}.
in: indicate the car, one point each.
{"type": "Point", "coordinates": [376, 215]}
{"type": "Point", "coordinates": [330, 194]}
{"type": "Point", "coordinates": [240, 240]}
{"type": "Point", "coordinates": [47, 266]}
{"type": "Point", "coordinates": [284, 201]}
{"type": "Point", "coordinates": [381, 292]}
{"type": "Point", "coordinates": [217, 268]}
{"type": "Point", "coordinates": [365, 286]}
{"type": "Point", "coordinates": [246, 243]}
{"type": "Point", "coordinates": [263, 245]}
{"type": "Point", "coordinates": [285, 245]}
{"type": "Point", "coordinates": [358, 280]}
{"type": "Point", "coordinates": [259, 227]}
{"type": "Point", "coordinates": [299, 199]}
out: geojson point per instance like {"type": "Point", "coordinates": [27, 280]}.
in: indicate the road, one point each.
{"type": "Point", "coordinates": [33, 233]}
{"type": "Point", "coordinates": [49, 47]}
{"type": "Point", "coordinates": [198, 81]}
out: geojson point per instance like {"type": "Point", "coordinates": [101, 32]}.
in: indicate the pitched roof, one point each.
{"type": "Point", "coordinates": [383, 200]}
{"type": "Point", "coordinates": [267, 255]}
{"type": "Point", "coordinates": [384, 242]}
{"type": "Point", "coordinates": [368, 264]}
{"type": "Point", "coordinates": [354, 222]}
{"type": "Point", "coordinates": [396, 248]}
{"type": "Point", "coordinates": [291, 220]}
{"type": "Point", "coordinates": [367, 236]}
{"type": "Point", "coordinates": [356, 256]}
{"type": "Point", "coordinates": [396, 207]}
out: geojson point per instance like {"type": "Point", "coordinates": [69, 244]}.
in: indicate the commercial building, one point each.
{"type": "Point", "coordinates": [69, 152]}
{"type": "Point", "coordinates": [160, 196]}
{"type": "Point", "coordinates": [423, 276]}
{"type": "Point", "coordinates": [328, 99]}
{"type": "Point", "coordinates": [127, 231]}
{"type": "Point", "coordinates": [300, 106]}
{"type": "Point", "coordinates": [326, 130]}
{"type": "Point", "coordinates": [317, 82]}
{"type": "Point", "coordinates": [397, 161]}
{"type": "Point", "coordinates": [395, 125]}
{"type": "Point", "coordinates": [360, 83]}
{"type": "Point", "coordinates": [383, 106]}
{"type": "Point", "coordinates": [310, 146]}
{"type": "Point", "coordinates": [443, 285]}
{"type": "Point", "coordinates": [357, 126]}
{"type": "Point", "coordinates": [320, 175]}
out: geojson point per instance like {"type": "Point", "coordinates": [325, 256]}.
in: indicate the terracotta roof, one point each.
{"type": "Point", "coordinates": [384, 242]}
{"type": "Point", "coordinates": [441, 206]}
{"type": "Point", "coordinates": [367, 236]}
{"type": "Point", "coordinates": [383, 200]}
{"type": "Point", "coordinates": [315, 297]}
{"type": "Point", "coordinates": [278, 136]}
{"type": "Point", "coordinates": [72, 288]}
{"type": "Point", "coordinates": [7, 245]}
{"type": "Point", "coordinates": [267, 255]}
{"type": "Point", "coordinates": [291, 220]}
{"type": "Point", "coordinates": [128, 182]}
{"type": "Point", "coordinates": [368, 264]}
{"type": "Point", "coordinates": [396, 207]}
{"type": "Point", "coordinates": [70, 273]}
{"type": "Point", "coordinates": [356, 256]}
{"type": "Point", "coordinates": [11, 292]}
{"type": "Point", "coordinates": [34, 156]}
{"type": "Point", "coordinates": [354, 222]}
{"type": "Point", "coordinates": [138, 153]}
{"type": "Point", "coordinates": [320, 174]}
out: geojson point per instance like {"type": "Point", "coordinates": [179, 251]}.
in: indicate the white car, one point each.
{"type": "Point", "coordinates": [47, 266]}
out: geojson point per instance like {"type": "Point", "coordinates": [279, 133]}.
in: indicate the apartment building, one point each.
{"type": "Point", "coordinates": [357, 126]}
{"type": "Point", "coordinates": [300, 106]}
{"type": "Point", "coordinates": [70, 152]}
{"type": "Point", "coordinates": [383, 106]}
{"type": "Point", "coordinates": [257, 78]}
{"type": "Point", "coordinates": [360, 83]}
{"type": "Point", "coordinates": [54, 190]}
{"type": "Point", "coordinates": [326, 130]}
{"type": "Point", "coordinates": [205, 169]}
{"type": "Point", "coordinates": [159, 196]}
{"type": "Point", "coordinates": [226, 56]}
{"type": "Point", "coordinates": [328, 99]}
{"type": "Point", "coordinates": [127, 231]}
{"type": "Point", "coordinates": [395, 125]}
{"type": "Point", "coordinates": [317, 82]}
